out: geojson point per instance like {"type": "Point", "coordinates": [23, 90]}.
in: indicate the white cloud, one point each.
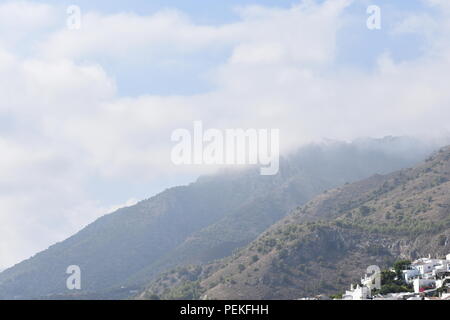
{"type": "Point", "coordinates": [19, 21]}
{"type": "Point", "coordinates": [127, 36]}
{"type": "Point", "coordinates": [171, 33]}
{"type": "Point", "coordinates": [417, 24]}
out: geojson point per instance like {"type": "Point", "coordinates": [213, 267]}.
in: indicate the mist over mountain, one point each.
{"type": "Point", "coordinates": [200, 222]}
{"type": "Point", "coordinates": [328, 243]}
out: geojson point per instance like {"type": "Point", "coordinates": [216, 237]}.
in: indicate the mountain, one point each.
{"type": "Point", "coordinates": [197, 223]}
{"type": "Point", "coordinates": [329, 242]}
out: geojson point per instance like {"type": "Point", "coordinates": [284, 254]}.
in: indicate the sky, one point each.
{"type": "Point", "coordinates": [86, 115]}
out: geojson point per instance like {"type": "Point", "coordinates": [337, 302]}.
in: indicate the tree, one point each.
{"type": "Point", "coordinates": [364, 210]}
{"type": "Point", "coordinates": [401, 265]}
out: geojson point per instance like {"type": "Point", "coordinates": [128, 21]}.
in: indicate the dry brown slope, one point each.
{"type": "Point", "coordinates": [329, 242]}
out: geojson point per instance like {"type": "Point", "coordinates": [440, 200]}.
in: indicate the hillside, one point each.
{"type": "Point", "coordinates": [198, 223]}
{"type": "Point", "coordinates": [328, 243]}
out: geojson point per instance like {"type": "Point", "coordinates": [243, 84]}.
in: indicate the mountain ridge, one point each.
{"type": "Point", "coordinates": [327, 243]}
{"type": "Point", "coordinates": [392, 217]}
{"type": "Point", "coordinates": [198, 223]}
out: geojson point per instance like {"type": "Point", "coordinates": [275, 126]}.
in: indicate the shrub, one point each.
{"type": "Point", "coordinates": [364, 210]}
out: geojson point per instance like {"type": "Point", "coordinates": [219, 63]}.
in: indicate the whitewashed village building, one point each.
{"type": "Point", "coordinates": [425, 274]}
{"type": "Point", "coordinates": [358, 293]}
{"type": "Point", "coordinates": [428, 274]}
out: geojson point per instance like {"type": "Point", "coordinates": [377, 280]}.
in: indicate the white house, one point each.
{"type": "Point", "coordinates": [443, 267]}
{"type": "Point", "coordinates": [421, 285]}
{"type": "Point", "coordinates": [448, 257]}
{"type": "Point", "coordinates": [358, 293]}
{"type": "Point", "coordinates": [409, 275]}
{"type": "Point", "coordinates": [424, 267]}
{"type": "Point", "coordinates": [428, 265]}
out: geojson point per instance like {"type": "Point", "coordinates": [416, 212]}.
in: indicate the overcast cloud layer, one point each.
{"type": "Point", "coordinates": [67, 130]}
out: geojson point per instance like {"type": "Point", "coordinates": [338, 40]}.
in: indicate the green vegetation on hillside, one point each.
{"type": "Point", "coordinates": [326, 244]}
